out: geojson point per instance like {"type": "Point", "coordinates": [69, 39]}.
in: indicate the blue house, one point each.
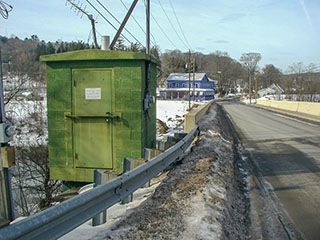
{"type": "Point", "coordinates": [178, 87]}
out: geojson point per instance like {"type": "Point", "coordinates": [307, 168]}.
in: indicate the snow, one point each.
{"type": "Point", "coordinates": [185, 76]}
{"type": "Point", "coordinates": [171, 112]}
{"type": "Point", "coordinates": [114, 214]}
{"type": "Point", "coordinates": [247, 100]}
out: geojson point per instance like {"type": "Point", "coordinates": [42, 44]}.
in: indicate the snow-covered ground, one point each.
{"type": "Point", "coordinates": [30, 122]}
{"type": "Point", "coordinates": [171, 112]}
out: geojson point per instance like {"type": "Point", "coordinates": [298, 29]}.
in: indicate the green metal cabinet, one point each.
{"type": "Point", "coordinates": [96, 111]}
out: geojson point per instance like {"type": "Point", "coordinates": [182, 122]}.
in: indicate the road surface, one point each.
{"type": "Point", "coordinates": [287, 151]}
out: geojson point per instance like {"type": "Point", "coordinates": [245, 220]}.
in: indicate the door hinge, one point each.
{"type": "Point", "coordinates": [76, 155]}
{"type": "Point", "coordinates": [74, 83]}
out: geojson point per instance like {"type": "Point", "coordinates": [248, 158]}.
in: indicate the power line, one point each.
{"type": "Point", "coordinates": [179, 24]}
{"type": "Point", "coordinates": [172, 25]}
{"type": "Point", "coordinates": [154, 40]}
{"type": "Point", "coordinates": [118, 22]}
{"type": "Point", "coordinates": [107, 20]}
{"type": "Point", "coordinates": [164, 33]}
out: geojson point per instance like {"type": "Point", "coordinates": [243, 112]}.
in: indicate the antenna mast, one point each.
{"type": "Point", "coordinates": [79, 9]}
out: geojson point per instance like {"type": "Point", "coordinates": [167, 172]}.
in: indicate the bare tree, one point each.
{"type": "Point", "coordinates": [24, 94]}
{"type": "Point", "coordinates": [297, 73]}
{"type": "Point", "coordinates": [32, 179]}
{"type": "Point", "coordinates": [250, 63]}
{"type": "Point", "coordinates": [269, 74]}
{"type": "Point", "coordinates": [229, 71]}
{"type": "Point", "coordinates": [173, 62]}
{"type": "Point", "coordinates": [296, 68]}
{"type": "Point", "coordinates": [21, 66]}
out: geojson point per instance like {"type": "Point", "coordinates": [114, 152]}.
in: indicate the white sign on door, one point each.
{"type": "Point", "coordinates": [93, 93]}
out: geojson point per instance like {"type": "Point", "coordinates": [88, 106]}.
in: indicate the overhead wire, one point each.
{"type": "Point", "coordinates": [172, 25]}
{"type": "Point", "coordinates": [164, 33]}
{"type": "Point", "coordinates": [107, 20]}
{"type": "Point", "coordinates": [154, 40]}
{"type": "Point", "coordinates": [179, 24]}
{"type": "Point", "coordinates": [118, 22]}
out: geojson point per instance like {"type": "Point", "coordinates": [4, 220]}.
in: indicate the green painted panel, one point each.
{"type": "Point", "coordinates": [124, 87]}
{"type": "Point", "coordinates": [92, 132]}
{"type": "Point", "coordinates": [71, 174]}
{"type": "Point", "coordinates": [93, 92]}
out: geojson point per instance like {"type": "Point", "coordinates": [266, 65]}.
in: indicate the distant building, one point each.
{"type": "Point", "coordinates": [178, 87]}
{"type": "Point", "coordinates": [274, 89]}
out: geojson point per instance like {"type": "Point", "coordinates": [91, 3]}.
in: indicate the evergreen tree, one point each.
{"type": "Point", "coordinates": [50, 48]}
{"type": "Point", "coordinates": [120, 45]}
{"type": "Point", "coordinates": [40, 50]}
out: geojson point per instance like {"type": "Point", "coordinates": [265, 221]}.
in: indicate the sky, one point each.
{"type": "Point", "coordinates": [282, 31]}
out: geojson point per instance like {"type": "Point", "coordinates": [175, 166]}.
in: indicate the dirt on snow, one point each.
{"type": "Point", "coordinates": [204, 196]}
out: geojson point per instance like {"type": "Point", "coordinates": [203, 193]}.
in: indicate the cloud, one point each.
{"type": "Point", "coordinates": [232, 17]}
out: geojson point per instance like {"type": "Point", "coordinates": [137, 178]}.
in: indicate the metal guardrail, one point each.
{"type": "Point", "coordinates": [64, 217]}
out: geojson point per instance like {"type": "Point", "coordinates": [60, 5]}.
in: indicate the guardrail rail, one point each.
{"type": "Point", "coordinates": [56, 221]}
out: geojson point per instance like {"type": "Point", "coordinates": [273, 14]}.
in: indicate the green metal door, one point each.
{"type": "Point", "coordinates": [92, 129]}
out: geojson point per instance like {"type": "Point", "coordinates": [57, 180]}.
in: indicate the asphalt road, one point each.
{"type": "Point", "coordinates": [287, 151]}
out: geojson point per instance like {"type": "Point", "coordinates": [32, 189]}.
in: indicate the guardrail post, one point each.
{"type": "Point", "coordinates": [101, 218]}
{"type": "Point", "coordinates": [127, 164]}
{"type": "Point", "coordinates": [147, 155]}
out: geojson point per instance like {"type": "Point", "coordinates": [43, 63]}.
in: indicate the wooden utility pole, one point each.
{"type": "Point", "coordinates": [189, 71]}
{"type": "Point", "coordinates": [6, 207]}
{"type": "Point", "coordinates": [250, 87]}
{"type": "Point", "coordinates": [194, 76]}
{"type": "Point", "coordinates": [147, 27]}
{"type": "Point", "coordinates": [256, 87]}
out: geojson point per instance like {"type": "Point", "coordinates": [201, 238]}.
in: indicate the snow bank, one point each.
{"type": "Point", "coordinates": [200, 198]}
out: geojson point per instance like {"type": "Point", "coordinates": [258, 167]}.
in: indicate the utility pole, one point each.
{"type": "Point", "coordinates": [6, 161]}
{"type": "Point", "coordinates": [189, 71]}
{"type": "Point", "coordinates": [194, 76]}
{"type": "Point", "coordinates": [250, 87]}
{"type": "Point", "coordinates": [148, 27]}
{"type": "Point", "coordinates": [256, 87]}
{"type": "Point", "coordinates": [2, 113]}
